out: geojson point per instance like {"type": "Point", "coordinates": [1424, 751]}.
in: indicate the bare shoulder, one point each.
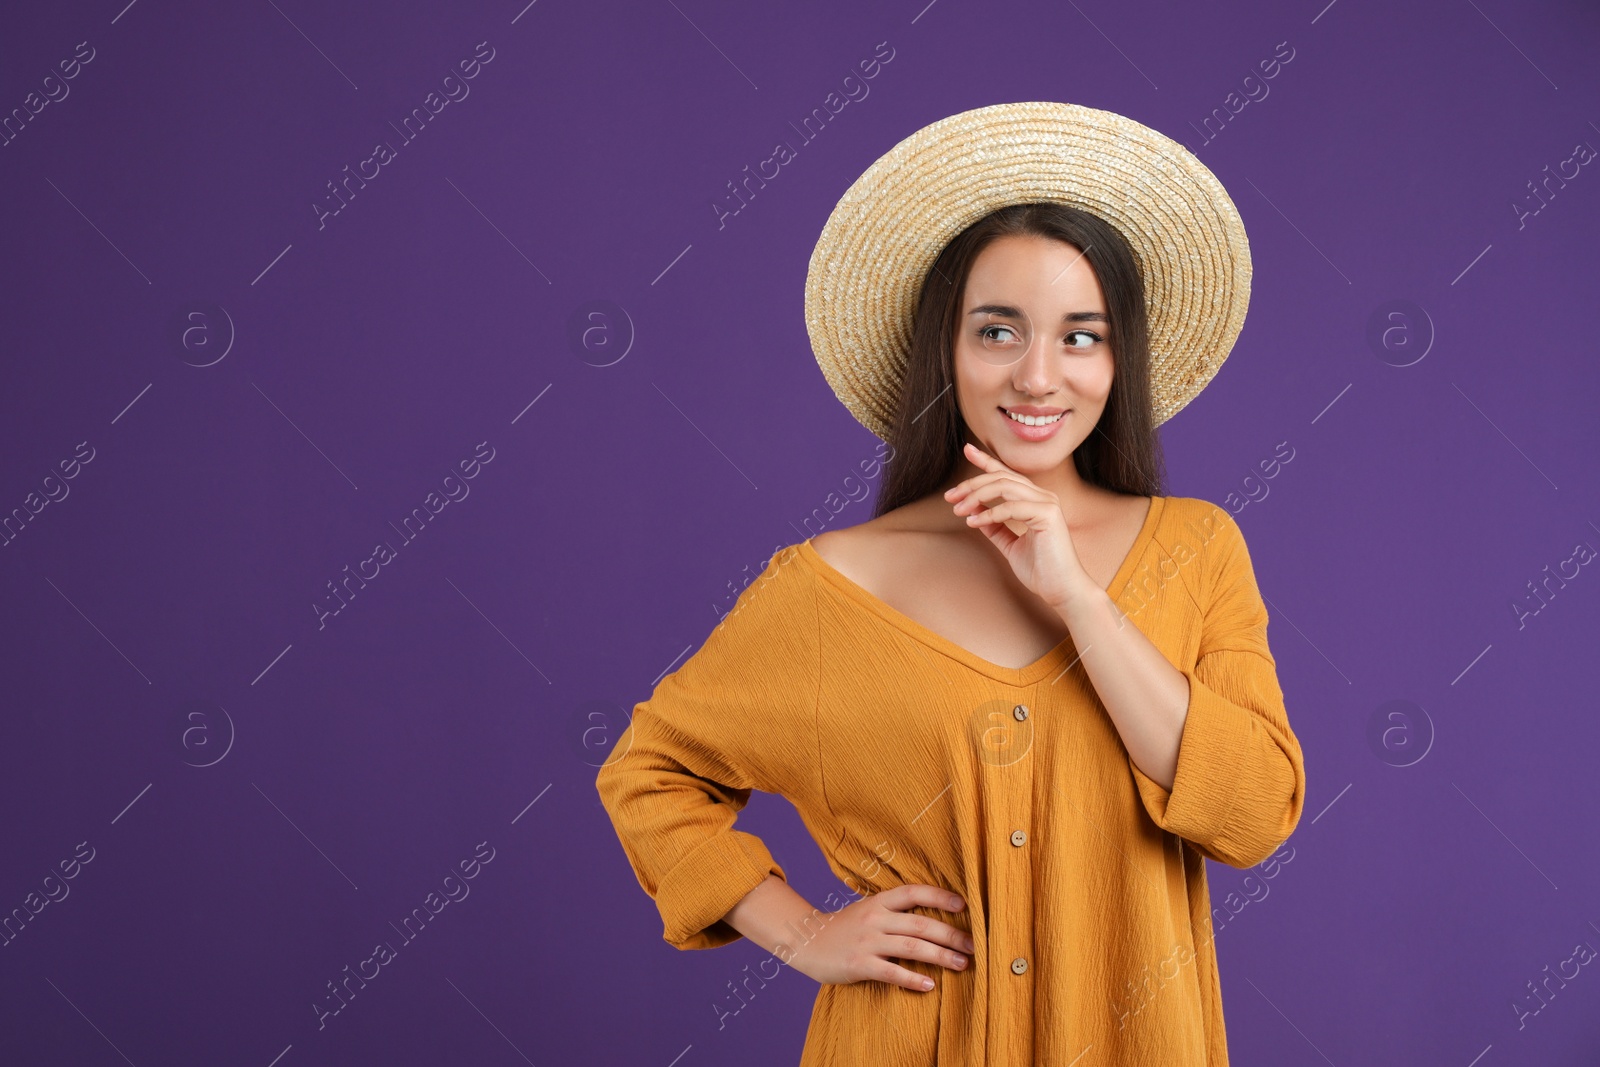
{"type": "Point", "coordinates": [852, 550]}
{"type": "Point", "coordinates": [864, 552]}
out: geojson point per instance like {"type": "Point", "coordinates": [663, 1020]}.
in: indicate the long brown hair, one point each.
{"type": "Point", "coordinates": [1122, 453]}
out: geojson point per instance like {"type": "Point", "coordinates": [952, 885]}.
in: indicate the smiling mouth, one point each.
{"type": "Point", "coordinates": [1035, 420]}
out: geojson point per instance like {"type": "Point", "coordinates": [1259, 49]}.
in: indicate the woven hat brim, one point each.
{"type": "Point", "coordinates": [882, 237]}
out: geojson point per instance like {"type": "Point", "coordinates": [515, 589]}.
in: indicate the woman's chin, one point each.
{"type": "Point", "coordinates": [1031, 459]}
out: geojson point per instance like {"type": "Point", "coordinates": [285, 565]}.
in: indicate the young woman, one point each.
{"type": "Point", "coordinates": [1020, 706]}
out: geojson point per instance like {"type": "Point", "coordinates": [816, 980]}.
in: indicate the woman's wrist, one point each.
{"type": "Point", "coordinates": [1082, 596]}
{"type": "Point", "coordinates": [778, 919]}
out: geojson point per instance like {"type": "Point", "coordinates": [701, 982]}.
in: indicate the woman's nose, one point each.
{"type": "Point", "coordinates": [1034, 370]}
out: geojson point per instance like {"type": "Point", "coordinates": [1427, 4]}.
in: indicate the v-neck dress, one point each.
{"type": "Point", "coordinates": [911, 759]}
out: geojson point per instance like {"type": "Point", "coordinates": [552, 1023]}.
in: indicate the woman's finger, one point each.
{"type": "Point", "coordinates": [1024, 511]}
{"type": "Point", "coordinates": [967, 485]}
{"type": "Point", "coordinates": [884, 971]}
{"type": "Point", "coordinates": [990, 487]}
{"type": "Point", "coordinates": [913, 894]}
{"type": "Point", "coordinates": [1000, 491]}
{"type": "Point", "coordinates": [909, 947]}
{"type": "Point", "coordinates": [929, 929]}
{"type": "Point", "coordinates": [984, 460]}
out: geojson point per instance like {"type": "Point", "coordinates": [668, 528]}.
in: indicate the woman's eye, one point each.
{"type": "Point", "coordinates": [992, 334]}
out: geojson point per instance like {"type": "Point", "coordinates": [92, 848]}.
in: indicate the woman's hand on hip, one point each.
{"type": "Point", "coordinates": [861, 941]}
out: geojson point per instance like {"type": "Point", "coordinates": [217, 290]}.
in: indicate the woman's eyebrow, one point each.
{"type": "Point", "coordinates": [1014, 313]}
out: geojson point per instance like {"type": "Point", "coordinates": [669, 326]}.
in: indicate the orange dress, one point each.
{"type": "Point", "coordinates": [911, 759]}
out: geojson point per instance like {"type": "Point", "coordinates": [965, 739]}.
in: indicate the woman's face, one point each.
{"type": "Point", "coordinates": [1032, 338]}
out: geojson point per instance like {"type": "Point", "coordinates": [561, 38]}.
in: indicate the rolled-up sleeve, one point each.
{"type": "Point", "coordinates": [1239, 786]}
{"type": "Point", "coordinates": [739, 715]}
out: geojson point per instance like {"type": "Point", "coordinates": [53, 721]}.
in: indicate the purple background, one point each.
{"type": "Point", "coordinates": [161, 614]}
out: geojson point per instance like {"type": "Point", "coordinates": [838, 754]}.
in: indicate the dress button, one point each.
{"type": "Point", "coordinates": [1020, 712]}
{"type": "Point", "coordinates": [1019, 965]}
{"type": "Point", "coordinates": [1018, 837]}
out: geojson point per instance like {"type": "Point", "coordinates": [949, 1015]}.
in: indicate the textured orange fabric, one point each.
{"type": "Point", "coordinates": [911, 759]}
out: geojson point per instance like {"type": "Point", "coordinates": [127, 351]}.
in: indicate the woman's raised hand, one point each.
{"type": "Point", "coordinates": [861, 941]}
{"type": "Point", "coordinates": [1026, 524]}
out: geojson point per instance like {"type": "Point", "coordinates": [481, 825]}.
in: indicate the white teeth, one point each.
{"type": "Point", "coordinates": [1035, 420]}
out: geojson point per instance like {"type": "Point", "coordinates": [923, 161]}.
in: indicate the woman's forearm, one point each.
{"type": "Point", "coordinates": [777, 918]}
{"type": "Point", "coordinates": [1145, 695]}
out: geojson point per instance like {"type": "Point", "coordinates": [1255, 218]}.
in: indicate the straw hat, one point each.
{"type": "Point", "coordinates": [867, 269]}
